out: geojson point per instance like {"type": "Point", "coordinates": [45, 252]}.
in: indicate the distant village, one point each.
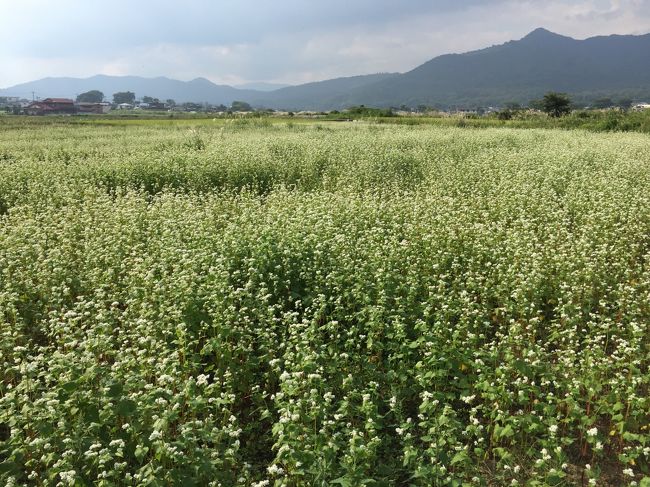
{"type": "Point", "coordinates": [93, 103]}
{"type": "Point", "coordinates": [68, 106]}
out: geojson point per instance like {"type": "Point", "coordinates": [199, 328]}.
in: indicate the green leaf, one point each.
{"type": "Point", "coordinates": [344, 482]}
{"type": "Point", "coordinates": [459, 457]}
{"type": "Point", "coordinates": [6, 467]}
{"type": "Point", "coordinates": [555, 478]}
{"type": "Point", "coordinates": [140, 452]}
{"type": "Point", "coordinates": [70, 386]}
{"type": "Point", "coordinates": [126, 407]}
{"type": "Point", "coordinates": [91, 413]}
{"type": "Point", "coordinates": [506, 432]}
{"type": "Point", "coordinates": [115, 390]}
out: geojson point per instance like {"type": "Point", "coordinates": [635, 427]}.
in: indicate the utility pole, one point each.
{"type": "Point", "coordinates": [33, 95]}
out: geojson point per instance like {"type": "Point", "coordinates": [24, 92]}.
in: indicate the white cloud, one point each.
{"type": "Point", "coordinates": [287, 41]}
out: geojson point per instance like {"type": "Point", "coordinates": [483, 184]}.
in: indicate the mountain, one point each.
{"type": "Point", "coordinates": [615, 66]}
{"type": "Point", "coordinates": [196, 90]}
{"type": "Point", "coordinates": [261, 86]}
{"type": "Point", "coordinates": [522, 70]}
{"type": "Point", "coordinates": [319, 95]}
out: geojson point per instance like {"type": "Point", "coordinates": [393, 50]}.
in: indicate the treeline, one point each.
{"type": "Point", "coordinates": [129, 98]}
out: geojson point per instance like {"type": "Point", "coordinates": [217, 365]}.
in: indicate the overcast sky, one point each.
{"type": "Point", "coordinates": [284, 41]}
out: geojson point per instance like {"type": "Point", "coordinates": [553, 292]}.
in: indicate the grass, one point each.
{"type": "Point", "coordinates": [591, 120]}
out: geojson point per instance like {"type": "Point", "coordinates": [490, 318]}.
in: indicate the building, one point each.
{"type": "Point", "coordinates": [641, 106]}
{"type": "Point", "coordinates": [38, 108]}
{"type": "Point", "coordinates": [51, 106]}
{"type": "Point", "coordinates": [60, 105]}
{"type": "Point", "coordinates": [88, 107]}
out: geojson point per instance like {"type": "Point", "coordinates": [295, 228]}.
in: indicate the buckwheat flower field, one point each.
{"type": "Point", "coordinates": [262, 304]}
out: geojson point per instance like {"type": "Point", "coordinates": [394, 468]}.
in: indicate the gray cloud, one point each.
{"type": "Point", "coordinates": [94, 25]}
{"type": "Point", "coordinates": [234, 41]}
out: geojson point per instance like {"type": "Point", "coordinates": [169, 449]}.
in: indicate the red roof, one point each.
{"type": "Point", "coordinates": [39, 105]}
{"type": "Point", "coordinates": [58, 100]}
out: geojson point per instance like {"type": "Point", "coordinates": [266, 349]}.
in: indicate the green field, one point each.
{"type": "Point", "coordinates": [247, 302]}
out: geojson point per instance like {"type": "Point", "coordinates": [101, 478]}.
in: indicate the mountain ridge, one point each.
{"type": "Point", "coordinates": [514, 71]}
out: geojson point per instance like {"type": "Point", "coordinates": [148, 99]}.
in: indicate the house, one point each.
{"type": "Point", "coordinates": [51, 106]}
{"type": "Point", "coordinates": [156, 105]}
{"type": "Point", "coordinates": [88, 107]}
{"type": "Point", "coordinates": [37, 108]}
{"type": "Point", "coordinates": [60, 105]}
{"type": "Point", "coordinates": [641, 106]}
{"type": "Point", "coordinates": [125, 106]}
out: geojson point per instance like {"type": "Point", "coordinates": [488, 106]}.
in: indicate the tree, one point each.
{"type": "Point", "coordinates": [124, 97]}
{"type": "Point", "coordinates": [505, 114]}
{"type": "Point", "coordinates": [191, 107]}
{"type": "Point", "coordinates": [513, 106]}
{"type": "Point", "coordinates": [92, 96]}
{"type": "Point", "coordinates": [603, 103]}
{"type": "Point", "coordinates": [556, 104]}
{"type": "Point", "coordinates": [171, 103]}
{"type": "Point", "coordinates": [241, 106]}
{"type": "Point", "coordinates": [150, 100]}
{"type": "Point", "coordinates": [624, 103]}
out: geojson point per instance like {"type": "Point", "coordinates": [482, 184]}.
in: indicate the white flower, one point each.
{"type": "Point", "coordinates": [553, 429]}
{"type": "Point", "coordinates": [592, 432]}
{"type": "Point", "coordinates": [468, 399]}
{"type": "Point", "coordinates": [68, 477]}
{"type": "Point", "coordinates": [202, 380]}
{"type": "Point", "coordinates": [275, 470]}
{"type": "Point", "coordinates": [155, 435]}
{"type": "Point", "coordinates": [628, 472]}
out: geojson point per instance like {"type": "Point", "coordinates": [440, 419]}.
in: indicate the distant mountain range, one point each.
{"type": "Point", "coordinates": [616, 66]}
{"type": "Point", "coordinates": [197, 90]}
{"type": "Point", "coordinates": [261, 86]}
